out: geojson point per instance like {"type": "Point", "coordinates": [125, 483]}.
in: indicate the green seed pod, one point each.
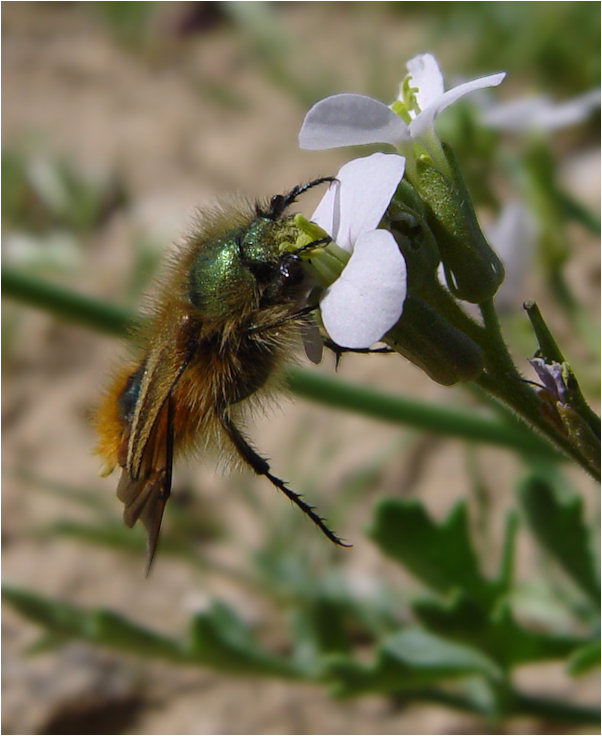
{"type": "Point", "coordinates": [426, 339]}
{"type": "Point", "coordinates": [473, 270]}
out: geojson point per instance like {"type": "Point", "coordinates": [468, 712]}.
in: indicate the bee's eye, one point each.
{"type": "Point", "coordinates": [290, 269]}
{"type": "Point", "coordinates": [264, 271]}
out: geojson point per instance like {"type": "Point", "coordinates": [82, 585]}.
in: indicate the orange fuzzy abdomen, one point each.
{"type": "Point", "coordinates": [108, 423]}
{"type": "Point", "coordinates": [193, 419]}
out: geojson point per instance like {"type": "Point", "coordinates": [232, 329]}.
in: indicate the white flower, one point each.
{"type": "Point", "coordinates": [350, 119]}
{"type": "Point", "coordinates": [367, 298]}
{"type": "Point", "coordinates": [512, 237]}
{"type": "Point", "coordinates": [540, 113]}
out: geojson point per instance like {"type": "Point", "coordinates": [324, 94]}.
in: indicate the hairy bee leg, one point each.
{"type": "Point", "coordinates": [289, 318]}
{"type": "Point", "coordinates": [261, 466]}
{"type": "Point", "coordinates": [338, 350]}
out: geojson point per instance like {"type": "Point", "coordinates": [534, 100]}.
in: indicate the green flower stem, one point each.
{"type": "Point", "coordinates": [99, 315]}
{"type": "Point", "coordinates": [551, 352]}
{"type": "Point", "coordinates": [66, 304]}
{"type": "Point", "coordinates": [502, 379]}
{"type": "Point", "coordinates": [547, 344]}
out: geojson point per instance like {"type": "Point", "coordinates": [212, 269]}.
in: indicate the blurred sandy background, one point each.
{"type": "Point", "coordinates": [181, 104]}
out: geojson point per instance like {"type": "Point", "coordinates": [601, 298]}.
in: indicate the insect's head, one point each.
{"type": "Point", "coordinates": [246, 268]}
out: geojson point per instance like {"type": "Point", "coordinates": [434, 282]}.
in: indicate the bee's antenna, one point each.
{"type": "Point", "coordinates": [279, 202]}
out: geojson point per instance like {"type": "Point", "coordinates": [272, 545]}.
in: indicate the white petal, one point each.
{"type": "Point", "coordinates": [427, 77]}
{"type": "Point", "coordinates": [540, 113]}
{"type": "Point", "coordinates": [512, 236]}
{"type": "Point", "coordinates": [569, 113]}
{"type": "Point", "coordinates": [367, 299]}
{"type": "Point", "coordinates": [424, 121]}
{"type": "Point", "coordinates": [516, 114]}
{"type": "Point", "coordinates": [356, 202]}
{"type": "Point", "coordinates": [350, 120]}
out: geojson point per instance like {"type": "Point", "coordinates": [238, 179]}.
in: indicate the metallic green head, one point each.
{"type": "Point", "coordinates": [251, 266]}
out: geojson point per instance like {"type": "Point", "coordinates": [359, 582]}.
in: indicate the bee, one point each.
{"type": "Point", "coordinates": [222, 326]}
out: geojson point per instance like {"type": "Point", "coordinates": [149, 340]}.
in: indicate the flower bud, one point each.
{"type": "Point", "coordinates": [426, 339]}
{"type": "Point", "coordinates": [473, 270]}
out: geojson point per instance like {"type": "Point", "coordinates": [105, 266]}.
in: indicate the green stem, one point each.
{"type": "Point", "coordinates": [553, 710]}
{"type": "Point", "coordinates": [520, 704]}
{"type": "Point", "coordinates": [66, 304]}
{"type": "Point", "coordinates": [502, 379]}
{"type": "Point", "coordinates": [418, 414]}
{"type": "Point", "coordinates": [547, 344]}
{"type": "Point", "coordinates": [551, 352]}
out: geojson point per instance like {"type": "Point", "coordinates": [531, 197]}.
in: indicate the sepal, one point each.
{"type": "Point", "coordinates": [473, 270]}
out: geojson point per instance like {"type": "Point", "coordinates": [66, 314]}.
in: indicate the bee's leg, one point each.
{"type": "Point", "coordinates": [261, 467]}
{"type": "Point", "coordinates": [338, 350]}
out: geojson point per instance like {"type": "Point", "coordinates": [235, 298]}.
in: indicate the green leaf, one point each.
{"type": "Point", "coordinates": [441, 555]}
{"type": "Point", "coordinates": [409, 660]}
{"type": "Point", "coordinates": [496, 633]}
{"type": "Point", "coordinates": [64, 621]}
{"type": "Point", "coordinates": [218, 638]}
{"type": "Point", "coordinates": [585, 658]}
{"type": "Point", "coordinates": [329, 622]}
{"type": "Point", "coordinates": [555, 517]}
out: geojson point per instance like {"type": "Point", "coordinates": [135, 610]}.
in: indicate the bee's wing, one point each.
{"type": "Point", "coordinates": [145, 497]}
{"type": "Point", "coordinates": [164, 366]}
{"type": "Point", "coordinates": [145, 483]}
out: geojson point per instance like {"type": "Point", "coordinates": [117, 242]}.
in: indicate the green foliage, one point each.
{"type": "Point", "coordinates": [126, 21]}
{"type": "Point", "coordinates": [555, 516]}
{"type": "Point", "coordinates": [584, 659]}
{"type": "Point", "coordinates": [408, 660]}
{"type": "Point", "coordinates": [473, 609]}
{"type": "Point", "coordinates": [495, 632]}
{"type": "Point", "coordinates": [217, 637]}
{"type": "Point", "coordinates": [459, 645]}
{"type": "Point", "coordinates": [559, 42]}
{"type": "Point", "coordinates": [41, 193]}
{"type": "Point", "coordinates": [440, 555]}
